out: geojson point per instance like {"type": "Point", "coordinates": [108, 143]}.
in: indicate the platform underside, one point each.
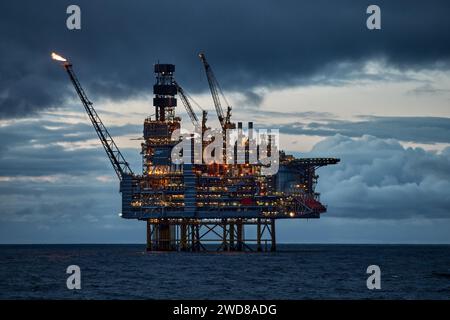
{"type": "Point", "coordinates": [210, 235]}
{"type": "Point", "coordinates": [217, 215]}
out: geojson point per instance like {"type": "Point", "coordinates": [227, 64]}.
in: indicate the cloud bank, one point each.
{"type": "Point", "coordinates": [411, 129]}
{"type": "Point", "coordinates": [249, 43]}
{"type": "Point", "coordinates": [380, 179]}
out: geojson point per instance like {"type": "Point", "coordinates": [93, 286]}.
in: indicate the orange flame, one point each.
{"type": "Point", "coordinates": [58, 57]}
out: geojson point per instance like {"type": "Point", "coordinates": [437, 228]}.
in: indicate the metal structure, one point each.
{"type": "Point", "coordinates": [115, 156]}
{"type": "Point", "coordinates": [215, 89]}
{"type": "Point", "coordinates": [187, 105]}
{"type": "Point", "coordinates": [196, 206]}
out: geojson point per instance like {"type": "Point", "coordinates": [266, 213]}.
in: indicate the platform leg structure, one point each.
{"type": "Point", "coordinates": [209, 235]}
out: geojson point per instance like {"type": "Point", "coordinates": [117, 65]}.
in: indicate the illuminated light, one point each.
{"type": "Point", "coordinates": [57, 57]}
{"type": "Point", "coordinates": [292, 214]}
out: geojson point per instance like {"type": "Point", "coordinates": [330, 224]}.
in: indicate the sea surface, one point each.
{"type": "Point", "coordinates": [293, 272]}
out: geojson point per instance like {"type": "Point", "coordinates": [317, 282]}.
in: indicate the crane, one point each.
{"type": "Point", "coordinates": [185, 98]}
{"type": "Point", "coordinates": [115, 156]}
{"type": "Point", "coordinates": [214, 86]}
{"type": "Point", "coordinates": [187, 105]}
{"type": "Point", "coordinates": [204, 119]}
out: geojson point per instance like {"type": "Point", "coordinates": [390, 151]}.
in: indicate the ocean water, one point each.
{"type": "Point", "coordinates": [293, 272]}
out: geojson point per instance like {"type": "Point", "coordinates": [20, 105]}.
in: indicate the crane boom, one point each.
{"type": "Point", "coordinates": [187, 105]}
{"type": "Point", "coordinates": [115, 156]}
{"type": "Point", "coordinates": [215, 90]}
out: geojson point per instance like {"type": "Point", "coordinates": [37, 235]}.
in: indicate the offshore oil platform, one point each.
{"type": "Point", "coordinates": [193, 205]}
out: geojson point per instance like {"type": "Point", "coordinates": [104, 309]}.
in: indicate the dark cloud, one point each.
{"type": "Point", "coordinates": [35, 148]}
{"type": "Point", "coordinates": [251, 98]}
{"type": "Point", "coordinates": [68, 210]}
{"type": "Point", "coordinates": [427, 89]}
{"type": "Point", "coordinates": [249, 43]}
{"type": "Point", "coordinates": [413, 129]}
{"type": "Point", "coordinates": [380, 179]}
{"type": "Point", "coordinates": [266, 115]}
{"type": "Point", "coordinates": [67, 195]}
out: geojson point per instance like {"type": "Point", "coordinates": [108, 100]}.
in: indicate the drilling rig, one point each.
{"type": "Point", "coordinates": [194, 206]}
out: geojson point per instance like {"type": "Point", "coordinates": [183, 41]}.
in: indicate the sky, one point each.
{"type": "Point", "coordinates": [377, 99]}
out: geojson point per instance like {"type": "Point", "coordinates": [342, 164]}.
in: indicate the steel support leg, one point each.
{"type": "Point", "coordinates": [224, 235]}
{"type": "Point", "coordinates": [274, 243]}
{"type": "Point", "coordinates": [193, 241]}
{"type": "Point", "coordinates": [231, 232]}
{"type": "Point", "coordinates": [149, 236]}
{"type": "Point", "coordinates": [258, 235]}
{"type": "Point", "coordinates": [183, 236]}
{"type": "Point", "coordinates": [197, 237]}
{"type": "Point", "coordinates": [239, 235]}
